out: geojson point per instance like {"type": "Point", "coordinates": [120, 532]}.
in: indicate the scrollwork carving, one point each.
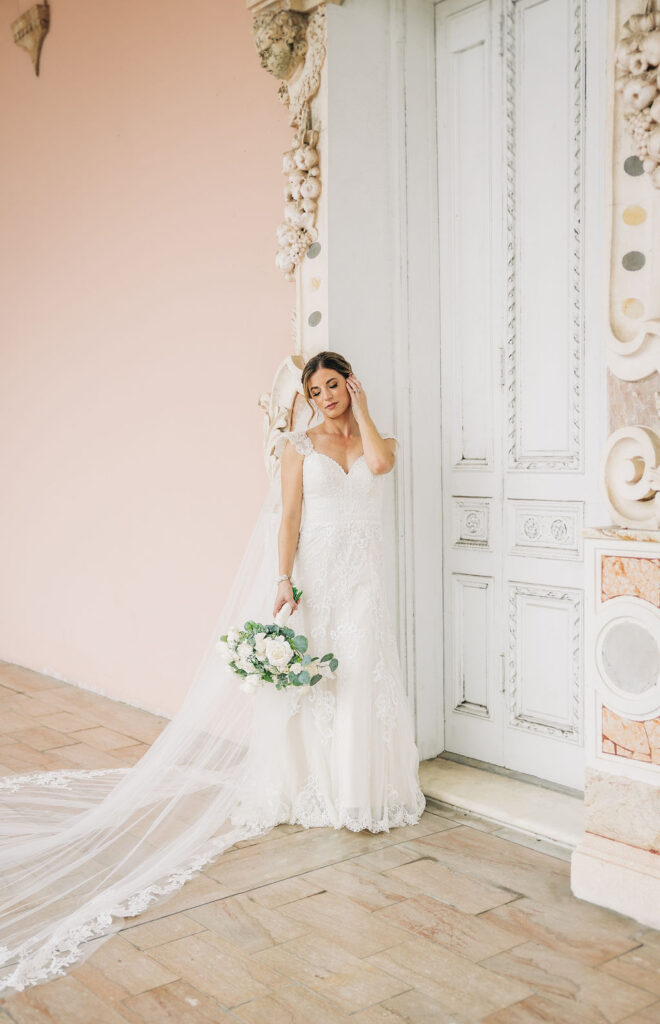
{"type": "Point", "coordinates": [631, 476]}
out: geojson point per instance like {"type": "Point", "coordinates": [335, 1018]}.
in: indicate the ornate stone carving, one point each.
{"type": "Point", "coordinates": [471, 528]}
{"type": "Point", "coordinates": [636, 78]}
{"type": "Point", "coordinates": [280, 405]}
{"type": "Point", "coordinates": [634, 342]}
{"type": "Point", "coordinates": [292, 48]}
{"type": "Point", "coordinates": [281, 41]}
{"type": "Point", "coordinates": [631, 475]}
{"type": "Point", "coordinates": [545, 529]}
{"type": "Point", "coordinates": [31, 29]}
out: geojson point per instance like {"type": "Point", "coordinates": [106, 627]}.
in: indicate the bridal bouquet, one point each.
{"type": "Point", "coordinates": [273, 654]}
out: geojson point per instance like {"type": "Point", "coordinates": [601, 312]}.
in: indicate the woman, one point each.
{"type": "Point", "coordinates": [80, 850]}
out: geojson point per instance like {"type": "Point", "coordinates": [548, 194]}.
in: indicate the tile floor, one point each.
{"type": "Point", "coordinates": [453, 920]}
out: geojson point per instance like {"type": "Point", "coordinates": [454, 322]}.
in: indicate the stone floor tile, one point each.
{"type": "Point", "coordinates": [42, 738]}
{"type": "Point", "coordinates": [246, 924]}
{"type": "Point", "coordinates": [332, 971]}
{"type": "Point", "coordinates": [13, 721]}
{"type": "Point", "coordinates": [291, 855]}
{"type": "Point", "coordinates": [651, 1015]}
{"type": "Point", "coordinates": [198, 890]}
{"type": "Point", "coordinates": [210, 966]}
{"type": "Point", "coordinates": [177, 1003]}
{"type": "Point", "coordinates": [369, 889]}
{"type": "Point", "coordinates": [84, 756]}
{"type": "Point", "coordinates": [456, 984]}
{"type": "Point", "coordinates": [386, 858]}
{"type": "Point", "coordinates": [65, 721]}
{"type": "Point", "coordinates": [163, 929]}
{"type": "Point", "coordinates": [639, 967]}
{"type": "Point", "coordinates": [566, 926]}
{"type": "Point", "coordinates": [452, 887]}
{"type": "Point", "coordinates": [291, 1004]}
{"type": "Point", "coordinates": [414, 1007]}
{"type": "Point", "coordinates": [30, 706]}
{"type": "Point", "coordinates": [128, 967]}
{"type": "Point", "coordinates": [488, 858]}
{"type": "Point", "coordinates": [466, 934]}
{"type": "Point", "coordinates": [538, 1008]}
{"type": "Point", "coordinates": [23, 759]}
{"type": "Point", "coordinates": [130, 755]}
{"type": "Point", "coordinates": [340, 920]}
{"type": "Point", "coordinates": [25, 680]}
{"type": "Point", "coordinates": [62, 1001]}
{"type": "Point", "coordinates": [564, 978]}
{"type": "Point", "coordinates": [103, 739]}
{"type": "Point", "coordinates": [287, 891]}
{"type": "Point", "coordinates": [548, 846]}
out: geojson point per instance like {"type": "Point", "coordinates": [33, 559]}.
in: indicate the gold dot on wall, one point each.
{"type": "Point", "coordinates": [633, 215]}
{"type": "Point", "coordinates": [633, 308]}
{"type": "Point", "coordinates": [315, 283]}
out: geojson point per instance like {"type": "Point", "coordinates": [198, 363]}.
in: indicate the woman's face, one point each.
{"type": "Point", "coordinates": [328, 389]}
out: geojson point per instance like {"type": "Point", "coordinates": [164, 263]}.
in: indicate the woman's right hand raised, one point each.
{"type": "Point", "coordinates": [284, 596]}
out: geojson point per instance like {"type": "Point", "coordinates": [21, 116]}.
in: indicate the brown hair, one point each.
{"type": "Point", "coordinates": [323, 361]}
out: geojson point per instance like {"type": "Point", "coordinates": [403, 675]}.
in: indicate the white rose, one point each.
{"type": "Point", "coordinates": [233, 636]}
{"type": "Point", "coordinates": [260, 645]}
{"type": "Point", "coordinates": [250, 683]}
{"type": "Point", "coordinates": [278, 652]}
{"type": "Point", "coordinates": [247, 666]}
{"type": "Point", "coordinates": [244, 650]}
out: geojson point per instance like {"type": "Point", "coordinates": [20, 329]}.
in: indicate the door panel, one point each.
{"type": "Point", "coordinates": [510, 100]}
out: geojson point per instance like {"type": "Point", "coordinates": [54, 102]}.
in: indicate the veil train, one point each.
{"type": "Point", "coordinates": [82, 850]}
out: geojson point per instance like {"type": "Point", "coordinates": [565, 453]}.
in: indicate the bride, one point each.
{"type": "Point", "coordinates": [81, 850]}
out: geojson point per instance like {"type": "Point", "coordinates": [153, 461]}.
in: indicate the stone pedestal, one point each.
{"type": "Point", "coordinates": [617, 864]}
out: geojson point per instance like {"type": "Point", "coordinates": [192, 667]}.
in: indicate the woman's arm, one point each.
{"type": "Point", "coordinates": [379, 452]}
{"type": "Point", "coordinates": [287, 538]}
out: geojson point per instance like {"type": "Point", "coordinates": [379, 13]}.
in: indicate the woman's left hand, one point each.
{"type": "Point", "coordinates": [358, 397]}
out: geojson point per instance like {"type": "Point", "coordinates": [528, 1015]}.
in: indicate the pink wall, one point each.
{"type": "Point", "coordinates": [141, 316]}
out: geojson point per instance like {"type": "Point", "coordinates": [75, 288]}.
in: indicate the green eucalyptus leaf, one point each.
{"type": "Point", "coordinates": [300, 643]}
{"type": "Point", "coordinates": [333, 664]}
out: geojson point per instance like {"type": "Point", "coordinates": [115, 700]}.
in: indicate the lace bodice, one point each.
{"type": "Point", "coordinates": [332, 495]}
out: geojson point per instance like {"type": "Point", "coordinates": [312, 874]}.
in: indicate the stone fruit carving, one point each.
{"type": "Point", "coordinates": [637, 78]}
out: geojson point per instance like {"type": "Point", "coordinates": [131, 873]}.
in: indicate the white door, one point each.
{"type": "Point", "coordinates": [516, 466]}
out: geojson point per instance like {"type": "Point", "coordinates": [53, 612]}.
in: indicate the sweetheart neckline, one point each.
{"type": "Point", "coordinates": [315, 451]}
{"type": "Point", "coordinates": [346, 472]}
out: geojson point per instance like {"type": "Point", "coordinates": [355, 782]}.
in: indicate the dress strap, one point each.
{"type": "Point", "coordinates": [298, 438]}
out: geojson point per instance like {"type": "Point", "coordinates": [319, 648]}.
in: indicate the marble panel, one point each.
{"type": "Point", "coordinates": [623, 809]}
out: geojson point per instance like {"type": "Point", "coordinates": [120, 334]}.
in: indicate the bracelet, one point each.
{"type": "Point", "coordinates": [284, 576]}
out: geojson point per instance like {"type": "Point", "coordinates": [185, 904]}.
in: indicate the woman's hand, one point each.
{"type": "Point", "coordinates": [284, 596]}
{"type": "Point", "coordinates": [358, 396]}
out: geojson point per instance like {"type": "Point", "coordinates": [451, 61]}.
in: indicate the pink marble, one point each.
{"type": "Point", "coordinates": [627, 575]}
{"type": "Point", "coordinates": [625, 737]}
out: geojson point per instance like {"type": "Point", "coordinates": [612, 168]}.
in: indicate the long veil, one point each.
{"type": "Point", "coordinates": [81, 850]}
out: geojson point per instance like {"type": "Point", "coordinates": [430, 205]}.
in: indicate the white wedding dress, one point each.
{"type": "Point", "coordinates": [340, 753]}
{"type": "Point", "coordinates": [82, 850]}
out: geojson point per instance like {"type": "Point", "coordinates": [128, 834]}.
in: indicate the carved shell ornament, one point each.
{"type": "Point", "coordinates": [637, 78]}
{"type": "Point", "coordinates": [30, 29]}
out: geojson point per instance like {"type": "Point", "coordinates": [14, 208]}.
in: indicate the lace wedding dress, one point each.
{"type": "Point", "coordinates": [82, 850]}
